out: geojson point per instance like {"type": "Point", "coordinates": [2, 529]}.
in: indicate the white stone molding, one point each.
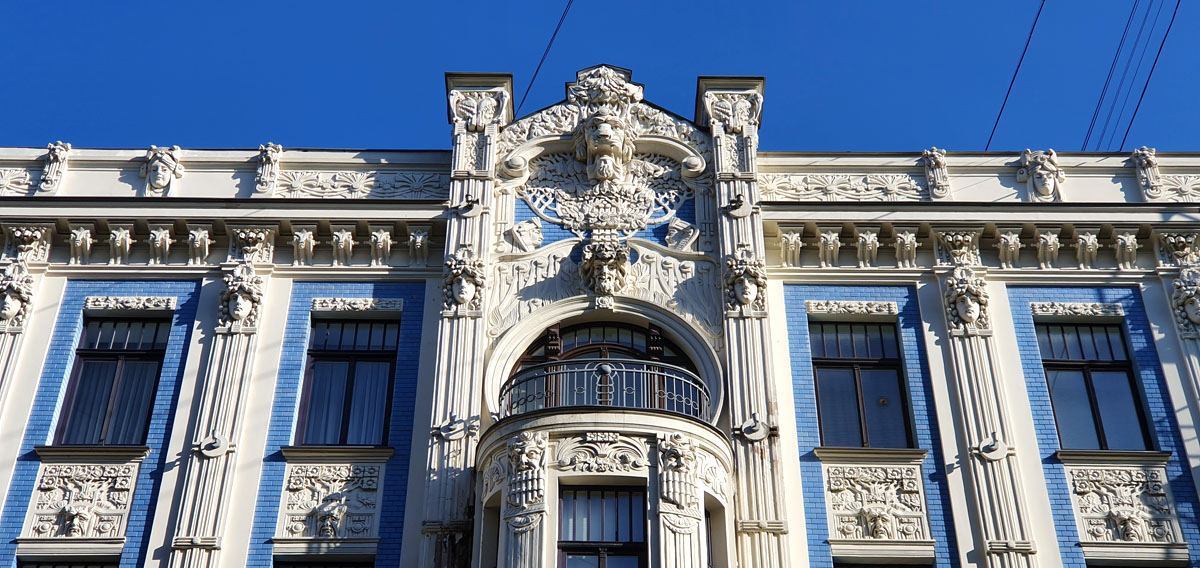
{"type": "Point", "coordinates": [478, 109]}
{"type": "Point", "coordinates": [875, 504]}
{"type": "Point", "coordinates": [80, 506]}
{"type": "Point", "coordinates": [680, 510]}
{"type": "Point", "coordinates": [304, 240]}
{"type": "Point", "coordinates": [958, 247]}
{"type": "Point", "coordinates": [1185, 304]}
{"type": "Point", "coordinates": [28, 242]}
{"type": "Point", "coordinates": [966, 301]}
{"type": "Point", "coordinates": [1148, 176]}
{"type": "Point", "coordinates": [745, 285]}
{"type": "Point", "coordinates": [343, 243]}
{"type": "Point", "coordinates": [361, 185]}
{"type": "Point", "coordinates": [1091, 310]}
{"type": "Point", "coordinates": [602, 452]}
{"type": "Point", "coordinates": [1124, 507]}
{"type": "Point", "coordinates": [464, 284]}
{"type": "Point", "coordinates": [1042, 176]}
{"type": "Point", "coordinates": [1087, 248]}
{"type": "Point", "coordinates": [357, 305]}
{"type": "Point", "coordinates": [1175, 248]}
{"type": "Point", "coordinates": [841, 187]}
{"type": "Point", "coordinates": [1008, 246]}
{"type": "Point", "coordinates": [937, 177]}
{"type": "Point", "coordinates": [160, 244]}
{"type": "Point", "coordinates": [16, 297]}
{"type": "Point", "coordinates": [524, 509]}
{"type": "Point", "coordinates": [54, 170]}
{"type": "Point", "coordinates": [418, 244]}
{"type": "Point", "coordinates": [330, 501]}
{"type": "Point", "coordinates": [1185, 188]}
{"type": "Point", "coordinates": [253, 243]}
{"type": "Point", "coordinates": [381, 245]}
{"type": "Point", "coordinates": [867, 247]}
{"type": "Point", "coordinates": [209, 468]}
{"type": "Point", "coordinates": [681, 235]}
{"type": "Point", "coordinates": [829, 246]}
{"type": "Point", "coordinates": [81, 242]}
{"type": "Point", "coordinates": [1048, 246]}
{"type": "Point", "coordinates": [1125, 249]}
{"type": "Point", "coordinates": [267, 176]}
{"type": "Point", "coordinates": [844, 310]}
{"type": "Point", "coordinates": [906, 245]}
{"type": "Point", "coordinates": [161, 170]}
{"type": "Point", "coordinates": [141, 304]}
{"type": "Point", "coordinates": [120, 241]}
{"type": "Point", "coordinates": [198, 243]}
{"type": "Point", "coordinates": [16, 181]}
{"type": "Point", "coordinates": [791, 240]}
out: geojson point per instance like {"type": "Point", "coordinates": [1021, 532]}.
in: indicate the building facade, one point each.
{"type": "Point", "coordinates": [600, 335]}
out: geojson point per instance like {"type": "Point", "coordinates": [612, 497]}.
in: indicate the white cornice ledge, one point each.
{"type": "Point", "coordinates": [357, 305]}
{"type": "Point", "coordinates": [92, 454]}
{"type": "Point", "coordinates": [881, 551]}
{"type": "Point", "coordinates": [285, 546]}
{"type": "Point", "coordinates": [870, 455]}
{"type": "Point", "coordinates": [138, 304]}
{"type": "Point", "coordinates": [337, 454]}
{"type": "Point", "coordinates": [69, 547]}
{"type": "Point", "coordinates": [852, 310]}
{"type": "Point", "coordinates": [1111, 457]}
{"type": "Point", "coordinates": [1057, 311]}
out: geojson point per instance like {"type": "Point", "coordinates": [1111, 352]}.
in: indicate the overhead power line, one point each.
{"type": "Point", "coordinates": [1014, 77]}
{"type": "Point", "coordinates": [1108, 80]}
{"type": "Point", "coordinates": [1151, 74]}
{"type": "Point", "coordinates": [547, 52]}
{"type": "Point", "coordinates": [1116, 125]}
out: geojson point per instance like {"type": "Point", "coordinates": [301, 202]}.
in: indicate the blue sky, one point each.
{"type": "Point", "coordinates": [841, 76]}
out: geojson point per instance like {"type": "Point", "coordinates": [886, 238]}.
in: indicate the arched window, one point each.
{"type": "Point", "coordinates": [604, 340]}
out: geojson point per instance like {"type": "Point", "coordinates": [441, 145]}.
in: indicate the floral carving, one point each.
{"type": "Point", "coordinates": [851, 308]}
{"type": "Point", "coordinates": [331, 501]}
{"type": "Point", "coordinates": [464, 282]}
{"type": "Point", "coordinates": [1127, 504]}
{"type": "Point", "coordinates": [16, 296]}
{"type": "Point", "coordinates": [745, 283]}
{"type": "Point", "coordinates": [136, 303]}
{"type": "Point", "coordinates": [241, 298]}
{"type": "Point", "coordinates": [1076, 309]}
{"type": "Point", "coordinates": [1180, 188]}
{"type": "Point", "coordinates": [267, 176]}
{"type": "Point", "coordinates": [55, 168]}
{"type": "Point", "coordinates": [357, 304]}
{"type": "Point", "coordinates": [1041, 174]}
{"type": "Point", "coordinates": [883, 502]}
{"type": "Point", "coordinates": [17, 181]}
{"type": "Point", "coordinates": [602, 452]}
{"type": "Point", "coordinates": [161, 170]}
{"type": "Point", "coordinates": [1176, 248]}
{"type": "Point", "coordinates": [937, 178]}
{"type": "Point", "coordinates": [1185, 301]}
{"type": "Point", "coordinates": [840, 187]}
{"type": "Point", "coordinates": [363, 185]}
{"type": "Point", "coordinates": [82, 501]}
{"type": "Point", "coordinates": [30, 243]}
{"type": "Point", "coordinates": [967, 301]}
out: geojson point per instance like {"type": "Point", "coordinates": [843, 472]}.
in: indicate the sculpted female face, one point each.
{"type": "Point", "coordinates": [745, 289]}
{"type": "Point", "coordinates": [1044, 181]}
{"type": "Point", "coordinates": [160, 174]}
{"type": "Point", "coordinates": [9, 307]}
{"type": "Point", "coordinates": [1191, 309]}
{"type": "Point", "coordinates": [240, 306]}
{"type": "Point", "coordinates": [463, 289]}
{"type": "Point", "coordinates": [968, 308]}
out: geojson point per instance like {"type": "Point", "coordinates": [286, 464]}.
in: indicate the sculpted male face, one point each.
{"type": "Point", "coordinates": [463, 289]}
{"type": "Point", "coordinates": [968, 308]}
{"type": "Point", "coordinates": [159, 175]}
{"type": "Point", "coordinates": [606, 142]}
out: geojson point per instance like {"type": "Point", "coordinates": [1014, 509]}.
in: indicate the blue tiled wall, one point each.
{"type": "Point", "coordinates": [1162, 421]}
{"type": "Point", "coordinates": [920, 394]}
{"type": "Point", "coordinates": [43, 417]}
{"type": "Point", "coordinates": [287, 399]}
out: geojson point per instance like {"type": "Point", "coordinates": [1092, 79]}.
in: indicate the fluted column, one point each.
{"type": "Point", "coordinates": [999, 505]}
{"type": "Point", "coordinates": [208, 480]}
{"type": "Point", "coordinates": [732, 107]}
{"type": "Point", "coordinates": [479, 106]}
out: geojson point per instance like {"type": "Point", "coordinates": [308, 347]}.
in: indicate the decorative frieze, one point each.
{"type": "Point", "coordinates": [1123, 504]}
{"type": "Point", "coordinates": [16, 296]}
{"type": "Point", "coordinates": [362, 185]}
{"type": "Point", "coordinates": [937, 178]}
{"type": "Point", "coordinates": [54, 170]}
{"type": "Point", "coordinates": [28, 242]}
{"type": "Point", "coordinates": [602, 452]}
{"type": "Point", "coordinates": [16, 181]}
{"type": "Point", "coordinates": [876, 502]}
{"type": "Point", "coordinates": [1185, 188]}
{"type": "Point", "coordinates": [267, 177]}
{"type": "Point", "coordinates": [857, 309]}
{"type": "Point", "coordinates": [1076, 309]}
{"type": "Point", "coordinates": [331, 501]}
{"type": "Point", "coordinates": [841, 187]}
{"type": "Point", "coordinates": [357, 304]}
{"type": "Point", "coordinates": [81, 501]}
{"type": "Point", "coordinates": [131, 303]}
{"type": "Point", "coordinates": [1042, 176]}
{"type": "Point", "coordinates": [161, 170]}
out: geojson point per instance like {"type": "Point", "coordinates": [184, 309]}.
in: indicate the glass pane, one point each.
{"type": "Point", "coordinates": [391, 338]}
{"type": "Point", "coordinates": [1072, 410]}
{"type": "Point", "coordinates": [610, 335]}
{"type": "Point", "coordinates": [376, 336]}
{"type": "Point", "coordinates": [626, 337]}
{"type": "Point", "coordinates": [91, 336]}
{"type": "Point", "coordinates": [838, 407]}
{"type": "Point", "coordinates": [845, 343]}
{"type": "Point", "coordinates": [326, 394]}
{"type": "Point", "coordinates": [1043, 337]}
{"type": "Point", "coordinates": [1100, 338]}
{"type": "Point", "coordinates": [333, 339]}
{"type": "Point", "coordinates": [120, 335]}
{"type": "Point", "coordinates": [582, 561]}
{"type": "Point", "coordinates": [1089, 346]}
{"type": "Point", "coordinates": [368, 403]}
{"type": "Point", "coordinates": [164, 333]}
{"type": "Point", "coordinates": [106, 335]}
{"type": "Point", "coordinates": [135, 336]}
{"type": "Point", "coordinates": [131, 409]}
{"type": "Point", "coordinates": [1057, 347]}
{"type": "Point", "coordinates": [347, 336]}
{"type": "Point", "coordinates": [890, 349]}
{"type": "Point", "coordinates": [581, 516]}
{"type": "Point", "coordinates": [883, 403]}
{"type": "Point", "coordinates": [1071, 337]}
{"type": "Point", "coordinates": [860, 340]}
{"type": "Point", "coordinates": [610, 516]}
{"type": "Point", "coordinates": [621, 562]}
{"type": "Point", "coordinates": [362, 341]}
{"type": "Point", "coordinates": [89, 403]}
{"type": "Point", "coordinates": [319, 332]}
{"type": "Point", "coordinates": [816, 340]}
{"type": "Point", "coordinates": [1116, 343]}
{"type": "Point", "coordinates": [1119, 412]}
{"type": "Point", "coordinates": [638, 504]}
{"type": "Point", "coordinates": [874, 342]}
{"type": "Point", "coordinates": [596, 520]}
{"type": "Point", "coordinates": [623, 516]}
{"type": "Point", "coordinates": [567, 514]}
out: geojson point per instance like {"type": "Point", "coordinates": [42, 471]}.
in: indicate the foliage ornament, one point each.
{"type": "Point", "coordinates": [16, 296]}
{"type": "Point", "coordinates": [463, 284]}
{"type": "Point", "coordinates": [967, 301]}
{"type": "Point", "coordinates": [241, 299]}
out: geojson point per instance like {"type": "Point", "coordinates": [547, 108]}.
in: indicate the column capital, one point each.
{"type": "Point", "coordinates": [751, 88]}
{"type": "Point", "coordinates": [464, 91]}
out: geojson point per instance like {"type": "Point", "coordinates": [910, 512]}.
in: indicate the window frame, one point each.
{"type": "Point", "coordinates": [603, 549]}
{"type": "Point", "coordinates": [353, 357]}
{"type": "Point", "coordinates": [857, 365]}
{"type": "Point", "coordinates": [120, 356]}
{"type": "Point", "coordinates": [1086, 366]}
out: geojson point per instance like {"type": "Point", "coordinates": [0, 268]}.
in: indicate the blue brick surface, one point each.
{"type": "Point", "coordinates": [921, 408]}
{"type": "Point", "coordinates": [286, 407]}
{"type": "Point", "coordinates": [1165, 431]}
{"type": "Point", "coordinates": [43, 417]}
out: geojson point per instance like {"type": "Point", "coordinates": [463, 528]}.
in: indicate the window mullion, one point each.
{"type": "Point", "coordinates": [862, 407]}
{"type": "Point", "coordinates": [118, 378]}
{"type": "Point", "coordinates": [347, 397]}
{"type": "Point", "coordinates": [1098, 422]}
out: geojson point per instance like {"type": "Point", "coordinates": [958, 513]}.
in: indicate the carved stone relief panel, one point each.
{"type": "Point", "coordinates": [331, 501]}
{"type": "Point", "coordinates": [81, 500]}
{"type": "Point", "coordinates": [873, 501]}
{"type": "Point", "coordinates": [15, 181]}
{"type": "Point", "coordinates": [602, 452]}
{"type": "Point", "coordinates": [851, 308]}
{"type": "Point", "coordinates": [28, 243]}
{"type": "Point", "coordinates": [363, 184]}
{"type": "Point", "coordinates": [841, 187]}
{"type": "Point", "coordinates": [1131, 504]}
{"type": "Point", "coordinates": [1075, 309]}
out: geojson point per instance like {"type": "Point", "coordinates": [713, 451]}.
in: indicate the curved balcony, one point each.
{"type": "Point", "coordinates": [606, 383]}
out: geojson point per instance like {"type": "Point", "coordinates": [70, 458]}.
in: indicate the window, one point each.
{"type": "Point", "coordinates": [602, 528]}
{"type": "Point", "coordinates": [279, 564]}
{"type": "Point", "coordinates": [1091, 387]}
{"type": "Point", "coordinates": [112, 385]}
{"type": "Point", "coordinates": [347, 391]}
{"type": "Point", "coordinates": [67, 565]}
{"type": "Point", "coordinates": [860, 396]}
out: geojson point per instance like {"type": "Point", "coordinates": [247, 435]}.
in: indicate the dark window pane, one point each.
{"type": "Point", "coordinates": [120, 335]}
{"type": "Point", "coordinates": [135, 336]}
{"type": "Point", "coordinates": [816, 341]}
{"type": "Point", "coordinates": [1043, 337]}
{"type": "Point", "coordinates": [1071, 338]}
{"type": "Point", "coordinates": [91, 336]}
{"type": "Point", "coordinates": [638, 504]}
{"type": "Point", "coordinates": [874, 342]}
{"type": "Point", "coordinates": [624, 514]}
{"type": "Point", "coordinates": [362, 340]}
{"type": "Point", "coordinates": [131, 408]}
{"type": "Point", "coordinates": [890, 349]}
{"type": "Point", "coordinates": [621, 562]}
{"type": "Point", "coordinates": [845, 342]}
{"type": "Point", "coordinates": [89, 403]}
{"type": "Point", "coordinates": [860, 340]}
{"type": "Point", "coordinates": [106, 335]}
{"type": "Point", "coordinates": [883, 405]}
{"type": "Point", "coordinates": [391, 337]}
{"type": "Point", "coordinates": [325, 399]}
{"type": "Point", "coordinates": [1116, 343]}
{"type": "Point", "coordinates": [1089, 345]}
{"type": "Point", "coordinates": [838, 409]}
{"type": "Point", "coordinates": [368, 403]}
{"type": "Point", "coordinates": [163, 333]}
{"type": "Point", "coordinates": [1072, 410]}
{"type": "Point", "coordinates": [376, 336]}
{"type": "Point", "coordinates": [1119, 412]}
{"type": "Point", "coordinates": [583, 561]}
{"type": "Point", "coordinates": [1100, 339]}
{"type": "Point", "coordinates": [567, 514]}
{"type": "Point", "coordinates": [595, 517]}
{"type": "Point", "coordinates": [347, 341]}
{"type": "Point", "coordinates": [1057, 345]}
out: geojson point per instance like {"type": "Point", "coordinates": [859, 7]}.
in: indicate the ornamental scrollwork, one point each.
{"type": "Point", "coordinates": [357, 304]}
{"type": "Point", "coordinates": [882, 502]}
{"type": "Point", "coordinates": [966, 301]}
{"type": "Point", "coordinates": [937, 178]}
{"type": "Point", "coordinates": [131, 303]}
{"type": "Point", "coordinates": [602, 452]}
{"type": "Point", "coordinates": [851, 308]}
{"type": "Point", "coordinates": [161, 170]}
{"type": "Point", "coordinates": [1076, 309]}
{"type": "Point", "coordinates": [1042, 175]}
{"type": "Point", "coordinates": [841, 187]}
{"type": "Point", "coordinates": [267, 177]}
{"type": "Point", "coordinates": [745, 283]}
{"type": "Point", "coordinates": [1148, 176]}
{"type": "Point", "coordinates": [16, 296]}
{"type": "Point", "coordinates": [1185, 301]}
{"type": "Point", "coordinates": [464, 283]}
{"type": "Point", "coordinates": [1127, 504]}
{"type": "Point", "coordinates": [328, 501]}
{"type": "Point", "coordinates": [55, 168]}
{"type": "Point", "coordinates": [82, 501]}
{"type": "Point", "coordinates": [241, 298]}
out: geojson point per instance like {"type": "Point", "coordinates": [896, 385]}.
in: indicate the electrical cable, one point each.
{"type": "Point", "coordinates": [1133, 79]}
{"type": "Point", "coordinates": [1107, 80]}
{"type": "Point", "coordinates": [1014, 77]}
{"type": "Point", "coordinates": [544, 54]}
{"type": "Point", "coordinates": [1151, 74]}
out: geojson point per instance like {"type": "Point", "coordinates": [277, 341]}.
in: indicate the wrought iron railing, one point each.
{"type": "Point", "coordinates": [615, 383]}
